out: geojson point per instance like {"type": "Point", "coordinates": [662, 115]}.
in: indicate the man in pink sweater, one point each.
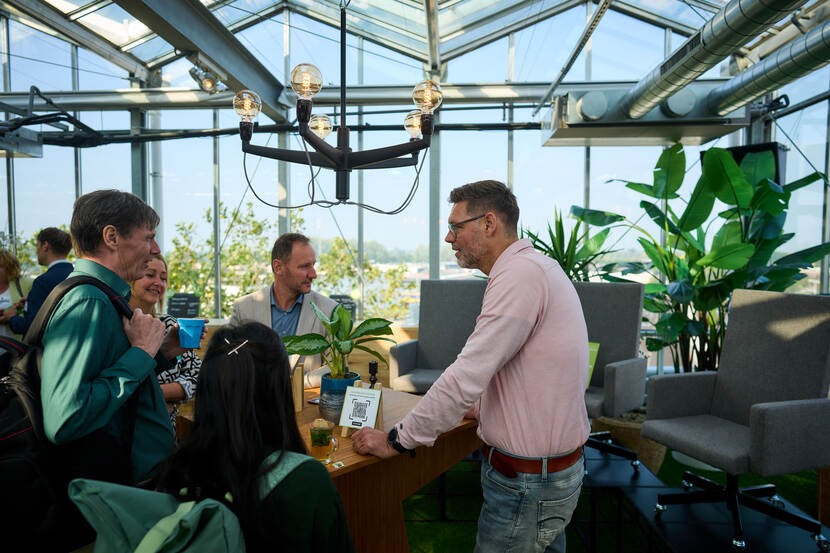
{"type": "Point", "coordinates": [522, 374]}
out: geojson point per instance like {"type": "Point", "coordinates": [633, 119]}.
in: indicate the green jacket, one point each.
{"type": "Point", "coordinates": [89, 370]}
{"type": "Point", "coordinates": [303, 514]}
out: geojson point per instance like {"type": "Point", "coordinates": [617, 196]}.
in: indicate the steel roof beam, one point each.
{"type": "Point", "coordinates": [77, 33]}
{"type": "Point", "coordinates": [394, 95]}
{"type": "Point", "coordinates": [191, 27]}
{"type": "Point", "coordinates": [433, 38]}
{"type": "Point", "coordinates": [124, 99]}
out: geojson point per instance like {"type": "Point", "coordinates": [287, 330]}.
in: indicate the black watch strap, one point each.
{"type": "Point", "coordinates": [392, 438]}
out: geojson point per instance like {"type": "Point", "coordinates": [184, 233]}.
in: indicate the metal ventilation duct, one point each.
{"type": "Point", "coordinates": [787, 64]}
{"type": "Point", "coordinates": [729, 29]}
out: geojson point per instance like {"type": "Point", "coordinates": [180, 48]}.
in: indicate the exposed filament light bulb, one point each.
{"type": "Point", "coordinates": [306, 80]}
{"type": "Point", "coordinates": [412, 123]}
{"type": "Point", "coordinates": [427, 96]}
{"type": "Point", "coordinates": [247, 105]}
{"type": "Point", "coordinates": [320, 125]}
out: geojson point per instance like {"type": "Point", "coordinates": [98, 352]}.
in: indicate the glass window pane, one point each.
{"type": "Point", "coordinates": [151, 48]}
{"type": "Point", "coordinates": [115, 24]}
{"type": "Point", "coordinates": [4, 201]}
{"type": "Point", "coordinates": [96, 73]}
{"type": "Point", "coordinates": [38, 59]}
{"type": "Point", "coordinates": [487, 64]}
{"type": "Point", "coordinates": [467, 156]}
{"type": "Point", "coordinates": [624, 48]}
{"type": "Point", "coordinates": [108, 166]}
{"type": "Point", "coordinates": [546, 179]}
{"type": "Point", "coordinates": [383, 66]}
{"type": "Point", "coordinates": [807, 86]}
{"type": "Point", "coordinates": [67, 6]}
{"type": "Point", "coordinates": [808, 129]}
{"type": "Point", "coordinates": [540, 54]}
{"type": "Point", "coordinates": [52, 177]}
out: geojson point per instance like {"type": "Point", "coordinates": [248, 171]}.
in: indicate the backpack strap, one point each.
{"type": "Point", "coordinates": [19, 289]}
{"type": "Point", "coordinates": [12, 345]}
{"type": "Point", "coordinates": [163, 529]}
{"type": "Point", "coordinates": [288, 462]}
{"type": "Point", "coordinates": [35, 333]}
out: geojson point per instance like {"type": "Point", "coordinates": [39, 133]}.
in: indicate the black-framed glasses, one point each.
{"type": "Point", "coordinates": [454, 227]}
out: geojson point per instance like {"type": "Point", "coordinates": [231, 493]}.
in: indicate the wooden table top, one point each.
{"type": "Point", "coordinates": [396, 405]}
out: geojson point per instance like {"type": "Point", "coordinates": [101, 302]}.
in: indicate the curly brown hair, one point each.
{"type": "Point", "coordinates": [10, 263]}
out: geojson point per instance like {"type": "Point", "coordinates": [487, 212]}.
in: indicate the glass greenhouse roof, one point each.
{"type": "Point", "coordinates": [401, 25]}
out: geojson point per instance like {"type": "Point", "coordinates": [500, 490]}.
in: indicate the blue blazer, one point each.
{"type": "Point", "coordinates": [37, 295]}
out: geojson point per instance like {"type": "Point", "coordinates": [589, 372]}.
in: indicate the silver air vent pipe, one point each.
{"type": "Point", "coordinates": [785, 65]}
{"type": "Point", "coordinates": [732, 27]}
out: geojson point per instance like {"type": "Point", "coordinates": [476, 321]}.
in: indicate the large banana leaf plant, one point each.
{"type": "Point", "coordinates": [340, 339]}
{"type": "Point", "coordinates": [700, 263]}
{"type": "Point", "coordinates": [576, 251]}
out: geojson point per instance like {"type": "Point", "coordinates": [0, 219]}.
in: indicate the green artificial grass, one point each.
{"type": "Point", "coordinates": [799, 488]}
{"type": "Point", "coordinates": [425, 532]}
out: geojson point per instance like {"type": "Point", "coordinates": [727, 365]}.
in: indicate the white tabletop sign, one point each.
{"type": "Point", "coordinates": [360, 407]}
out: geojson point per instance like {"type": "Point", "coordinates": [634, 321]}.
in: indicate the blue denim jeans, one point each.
{"type": "Point", "coordinates": [527, 513]}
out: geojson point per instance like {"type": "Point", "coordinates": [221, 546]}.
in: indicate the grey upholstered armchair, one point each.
{"type": "Point", "coordinates": [613, 313]}
{"type": "Point", "coordinates": [764, 410]}
{"type": "Point", "coordinates": [446, 319]}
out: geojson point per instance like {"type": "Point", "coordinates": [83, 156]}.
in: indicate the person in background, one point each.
{"type": "Point", "coordinates": [285, 305]}
{"type": "Point", "coordinates": [178, 383]}
{"type": "Point", "coordinates": [13, 288]}
{"type": "Point", "coordinates": [522, 374]}
{"type": "Point", "coordinates": [53, 246]}
{"type": "Point", "coordinates": [244, 427]}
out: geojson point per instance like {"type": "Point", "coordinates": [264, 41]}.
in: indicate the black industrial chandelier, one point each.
{"type": "Point", "coordinates": [306, 81]}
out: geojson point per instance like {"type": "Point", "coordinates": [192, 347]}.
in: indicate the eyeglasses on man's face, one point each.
{"type": "Point", "coordinates": [455, 227]}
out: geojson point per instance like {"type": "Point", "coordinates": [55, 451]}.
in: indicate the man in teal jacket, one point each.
{"type": "Point", "coordinates": [94, 360]}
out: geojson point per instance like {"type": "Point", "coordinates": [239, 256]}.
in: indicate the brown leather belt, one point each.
{"type": "Point", "coordinates": [509, 466]}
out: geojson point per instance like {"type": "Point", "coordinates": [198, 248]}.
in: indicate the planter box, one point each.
{"type": "Point", "coordinates": [627, 434]}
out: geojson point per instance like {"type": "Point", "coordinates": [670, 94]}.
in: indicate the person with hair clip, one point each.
{"type": "Point", "coordinates": [244, 429]}
{"type": "Point", "coordinates": [178, 383]}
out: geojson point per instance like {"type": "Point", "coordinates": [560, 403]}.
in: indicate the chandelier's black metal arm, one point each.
{"type": "Point", "coordinates": [392, 163]}
{"type": "Point", "coordinates": [369, 157]}
{"type": "Point", "coordinates": [334, 155]}
{"type": "Point", "coordinates": [292, 156]}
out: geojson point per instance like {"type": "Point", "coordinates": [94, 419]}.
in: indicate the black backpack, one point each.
{"type": "Point", "coordinates": [34, 472]}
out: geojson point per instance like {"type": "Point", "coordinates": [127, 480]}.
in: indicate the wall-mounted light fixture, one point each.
{"type": "Point", "coordinates": [207, 74]}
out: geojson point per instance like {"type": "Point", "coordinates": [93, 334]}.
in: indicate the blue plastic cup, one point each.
{"type": "Point", "coordinates": [190, 332]}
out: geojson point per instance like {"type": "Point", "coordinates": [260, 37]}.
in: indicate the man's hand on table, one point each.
{"type": "Point", "coordinates": [368, 441]}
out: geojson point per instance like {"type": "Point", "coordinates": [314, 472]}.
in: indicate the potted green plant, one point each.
{"type": "Point", "coordinates": [575, 251]}
{"type": "Point", "coordinates": [340, 340]}
{"type": "Point", "coordinates": [696, 266]}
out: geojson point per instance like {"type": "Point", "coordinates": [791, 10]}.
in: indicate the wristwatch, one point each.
{"type": "Point", "coordinates": [392, 439]}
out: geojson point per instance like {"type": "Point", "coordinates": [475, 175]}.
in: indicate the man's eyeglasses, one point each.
{"type": "Point", "coordinates": [455, 227]}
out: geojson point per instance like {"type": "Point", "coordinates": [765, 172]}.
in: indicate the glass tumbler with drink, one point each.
{"type": "Point", "coordinates": [323, 444]}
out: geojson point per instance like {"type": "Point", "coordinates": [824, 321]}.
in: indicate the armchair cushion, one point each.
{"type": "Point", "coordinates": [680, 395]}
{"type": "Point", "coordinates": [402, 358]}
{"type": "Point", "coordinates": [415, 381]}
{"type": "Point", "coordinates": [446, 318]}
{"type": "Point", "coordinates": [718, 442]}
{"type": "Point", "coordinates": [624, 386]}
{"type": "Point", "coordinates": [613, 313]}
{"type": "Point", "coordinates": [594, 398]}
{"type": "Point", "coordinates": [789, 436]}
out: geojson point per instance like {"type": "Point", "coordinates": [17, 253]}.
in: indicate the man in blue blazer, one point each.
{"type": "Point", "coordinates": [53, 245]}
